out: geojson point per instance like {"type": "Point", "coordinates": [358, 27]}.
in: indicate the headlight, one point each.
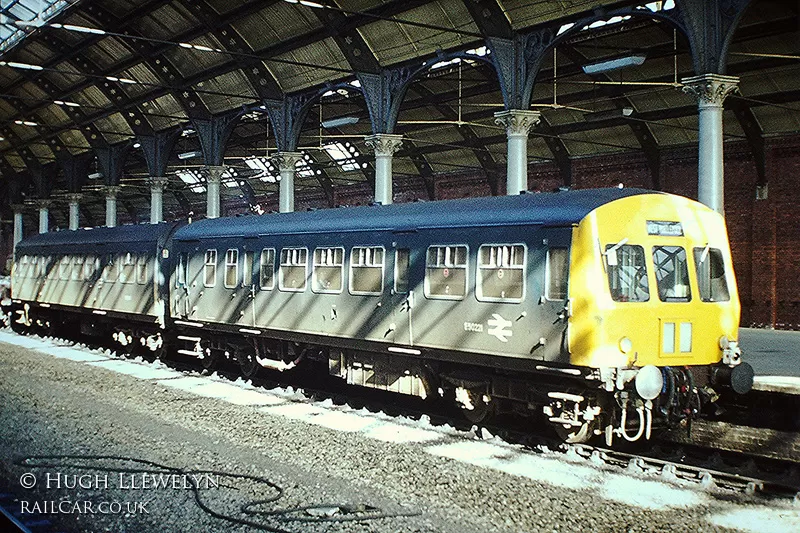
{"type": "Point", "coordinates": [649, 382]}
{"type": "Point", "coordinates": [625, 345]}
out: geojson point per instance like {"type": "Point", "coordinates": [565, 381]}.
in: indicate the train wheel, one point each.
{"type": "Point", "coordinates": [211, 359]}
{"type": "Point", "coordinates": [247, 362]}
{"type": "Point", "coordinates": [476, 406]}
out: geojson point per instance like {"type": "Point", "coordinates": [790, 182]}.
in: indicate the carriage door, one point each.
{"type": "Point", "coordinates": [181, 308]}
{"type": "Point", "coordinates": [402, 294]}
{"type": "Point", "coordinates": [553, 303]}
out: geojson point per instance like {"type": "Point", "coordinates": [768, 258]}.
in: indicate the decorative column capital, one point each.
{"type": "Point", "coordinates": [384, 144]}
{"type": "Point", "coordinates": [111, 191]}
{"type": "Point", "coordinates": [158, 182]}
{"type": "Point", "coordinates": [18, 208]}
{"type": "Point", "coordinates": [214, 173]}
{"type": "Point", "coordinates": [74, 197]}
{"type": "Point", "coordinates": [517, 121]}
{"type": "Point", "coordinates": [286, 161]}
{"type": "Point", "coordinates": [42, 203]}
{"type": "Point", "coordinates": [710, 89]}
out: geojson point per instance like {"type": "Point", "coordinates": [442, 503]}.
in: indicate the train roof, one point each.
{"type": "Point", "coordinates": [114, 238]}
{"type": "Point", "coordinates": [545, 209]}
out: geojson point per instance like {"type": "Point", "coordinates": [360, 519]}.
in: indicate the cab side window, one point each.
{"type": "Point", "coordinates": [557, 274]}
{"type": "Point", "coordinates": [710, 268]}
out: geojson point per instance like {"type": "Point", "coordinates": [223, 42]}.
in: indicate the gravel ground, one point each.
{"type": "Point", "coordinates": [54, 406]}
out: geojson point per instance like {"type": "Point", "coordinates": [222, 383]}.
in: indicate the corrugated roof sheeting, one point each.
{"type": "Point", "coordinates": [92, 97]}
{"type": "Point", "coordinates": [676, 131]}
{"type": "Point", "coordinates": [65, 75]}
{"type": "Point", "coordinates": [36, 53]}
{"type": "Point", "coordinates": [74, 141]}
{"type": "Point", "coordinates": [394, 42]}
{"type": "Point", "coordinates": [14, 160]}
{"type": "Point", "coordinates": [23, 132]}
{"type": "Point", "coordinates": [146, 79]}
{"type": "Point", "coordinates": [189, 62]}
{"type": "Point", "coordinates": [225, 6]}
{"type": "Point", "coordinates": [54, 115]}
{"type": "Point", "coordinates": [296, 77]}
{"type": "Point", "coordinates": [120, 8]}
{"type": "Point", "coordinates": [451, 161]}
{"type": "Point", "coordinates": [42, 152]}
{"type": "Point", "coordinates": [524, 13]}
{"type": "Point", "coordinates": [32, 94]}
{"type": "Point", "coordinates": [114, 128]}
{"type": "Point", "coordinates": [227, 85]}
{"type": "Point", "coordinates": [537, 149]}
{"type": "Point", "coordinates": [164, 112]}
{"type": "Point", "coordinates": [164, 23]}
{"type": "Point", "coordinates": [776, 120]}
{"type": "Point", "coordinates": [275, 23]}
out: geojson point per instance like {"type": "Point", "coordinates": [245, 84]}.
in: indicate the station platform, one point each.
{"type": "Point", "coordinates": [775, 356]}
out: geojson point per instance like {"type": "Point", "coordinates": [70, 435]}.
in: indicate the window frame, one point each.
{"type": "Point", "coordinates": [65, 268]}
{"type": "Point", "coordinates": [231, 263]}
{"type": "Point", "coordinates": [281, 271]}
{"type": "Point", "coordinates": [314, 265]}
{"type": "Point", "coordinates": [261, 265]}
{"type": "Point", "coordinates": [77, 268]}
{"type": "Point", "coordinates": [127, 270]}
{"type": "Point", "coordinates": [210, 265]}
{"type": "Point", "coordinates": [465, 267]}
{"type": "Point", "coordinates": [548, 274]}
{"type": "Point", "coordinates": [142, 274]}
{"type": "Point", "coordinates": [479, 278]}
{"type": "Point", "coordinates": [662, 296]}
{"type": "Point", "coordinates": [608, 266]}
{"type": "Point", "coordinates": [365, 265]}
{"type": "Point", "coordinates": [700, 283]}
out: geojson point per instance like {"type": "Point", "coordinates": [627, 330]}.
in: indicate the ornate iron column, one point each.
{"type": "Point", "coordinates": [213, 181]}
{"type": "Point", "coordinates": [44, 215]}
{"type": "Point", "coordinates": [111, 205]}
{"type": "Point", "coordinates": [384, 145]}
{"type": "Point", "coordinates": [286, 163]}
{"type": "Point", "coordinates": [157, 186]}
{"type": "Point", "coordinates": [710, 91]}
{"type": "Point", "coordinates": [74, 210]}
{"type": "Point", "coordinates": [518, 124]}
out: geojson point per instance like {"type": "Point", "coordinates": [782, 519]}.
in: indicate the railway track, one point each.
{"type": "Point", "coordinates": [670, 459]}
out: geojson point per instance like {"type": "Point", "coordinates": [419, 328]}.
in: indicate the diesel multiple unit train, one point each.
{"type": "Point", "coordinates": [607, 312]}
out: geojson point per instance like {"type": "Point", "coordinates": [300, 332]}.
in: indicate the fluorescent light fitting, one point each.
{"type": "Point", "coordinates": [95, 176]}
{"type": "Point", "coordinates": [338, 122]}
{"type": "Point", "coordinates": [25, 123]}
{"type": "Point", "coordinates": [68, 104]}
{"type": "Point", "coordinates": [190, 155]}
{"type": "Point", "coordinates": [601, 67]}
{"type": "Point", "coordinates": [35, 23]}
{"type": "Point", "coordinates": [26, 66]}
{"type": "Point", "coordinates": [80, 29]}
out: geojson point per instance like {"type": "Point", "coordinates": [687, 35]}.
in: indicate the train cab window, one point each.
{"type": "Point", "coordinates": [77, 268]}
{"type": "Point", "coordinates": [402, 261]}
{"type": "Point", "coordinates": [127, 271]}
{"type": "Point", "coordinates": [501, 273]}
{"type": "Point", "coordinates": [64, 268]}
{"type": "Point", "coordinates": [672, 273]}
{"type": "Point", "coordinates": [627, 273]}
{"type": "Point", "coordinates": [366, 270]}
{"type": "Point", "coordinates": [210, 268]}
{"type": "Point", "coordinates": [446, 272]}
{"type": "Point", "coordinates": [247, 270]}
{"type": "Point", "coordinates": [557, 274]}
{"type": "Point", "coordinates": [293, 270]}
{"type": "Point", "coordinates": [267, 269]}
{"type": "Point", "coordinates": [231, 268]}
{"type": "Point", "coordinates": [110, 269]}
{"type": "Point", "coordinates": [327, 273]}
{"type": "Point", "coordinates": [711, 275]}
{"type": "Point", "coordinates": [141, 269]}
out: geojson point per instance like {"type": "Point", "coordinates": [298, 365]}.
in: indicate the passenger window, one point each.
{"type": "Point", "coordinates": [128, 269]}
{"type": "Point", "coordinates": [366, 270]}
{"type": "Point", "coordinates": [247, 269]}
{"type": "Point", "coordinates": [77, 268]}
{"type": "Point", "coordinates": [141, 269]}
{"type": "Point", "coordinates": [90, 266]}
{"type": "Point", "coordinates": [327, 273]}
{"type": "Point", "coordinates": [627, 273]}
{"type": "Point", "coordinates": [293, 269]}
{"type": "Point", "coordinates": [402, 261]}
{"type": "Point", "coordinates": [557, 274]}
{"type": "Point", "coordinates": [231, 268]}
{"type": "Point", "coordinates": [672, 273]}
{"type": "Point", "coordinates": [501, 272]}
{"type": "Point", "coordinates": [267, 270]}
{"type": "Point", "coordinates": [711, 275]}
{"type": "Point", "coordinates": [446, 272]}
{"type": "Point", "coordinates": [110, 269]}
{"type": "Point", "coordinates": [210, 268]}
{"type": "Point", "coordinates": [64, 268]}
